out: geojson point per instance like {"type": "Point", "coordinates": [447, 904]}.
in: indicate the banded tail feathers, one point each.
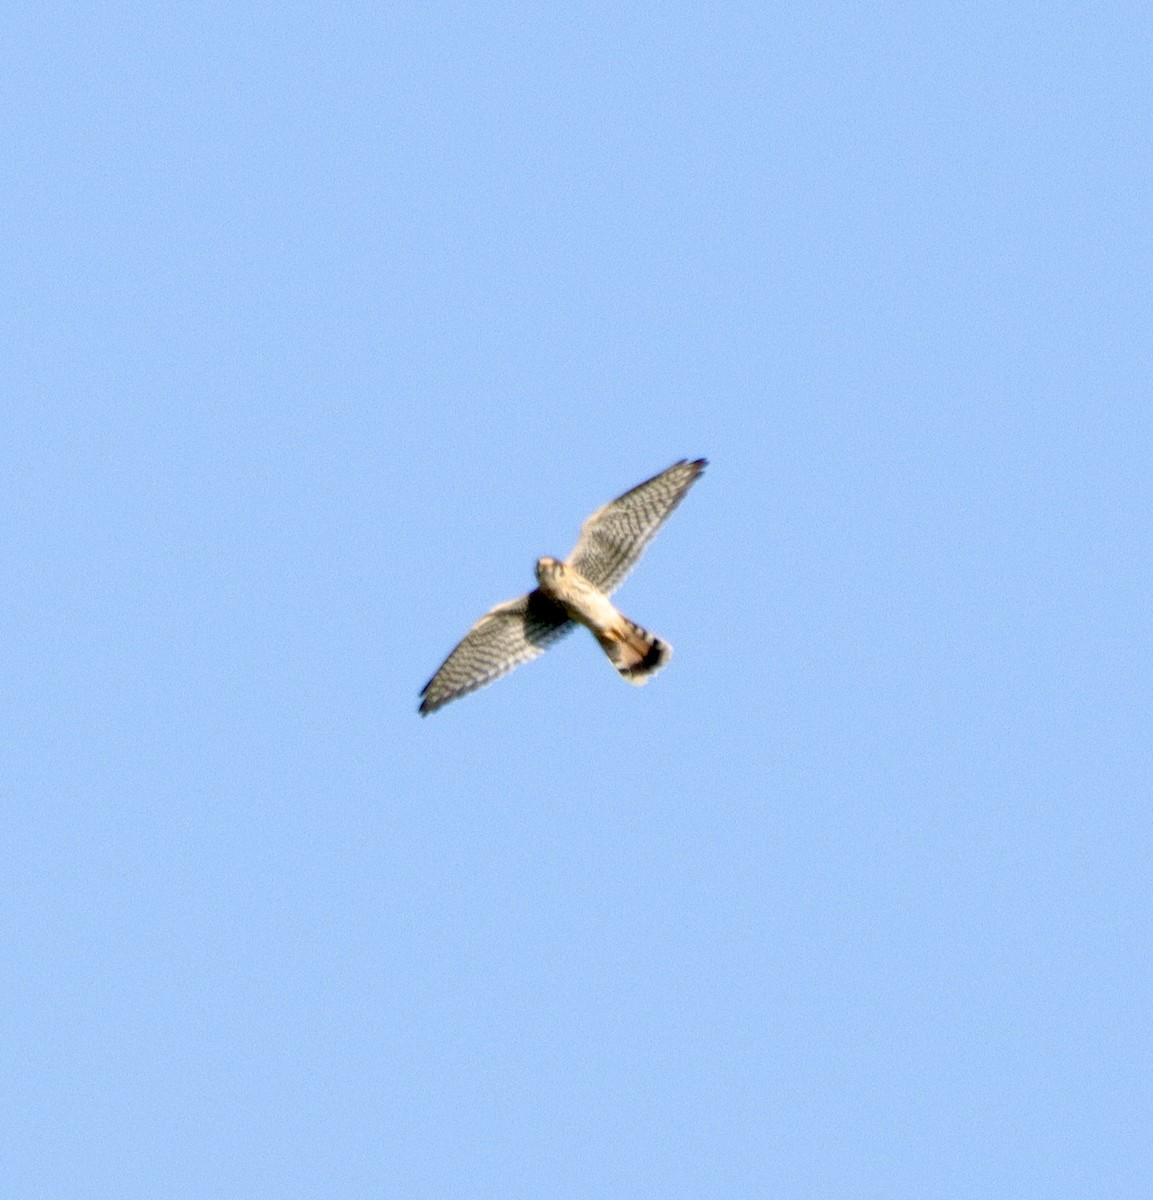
{"type": "Point", "coordinates": [637, 654]}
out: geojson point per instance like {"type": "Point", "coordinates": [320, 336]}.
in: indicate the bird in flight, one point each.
{"type": "Point", "coordinates": [573, 592]}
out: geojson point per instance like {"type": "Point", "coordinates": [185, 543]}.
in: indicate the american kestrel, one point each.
{"type": "Point", "coordinates": [573, 592]}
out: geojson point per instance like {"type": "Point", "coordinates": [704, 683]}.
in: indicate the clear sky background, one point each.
{"type": "Point", "coordinates": [321, 323]}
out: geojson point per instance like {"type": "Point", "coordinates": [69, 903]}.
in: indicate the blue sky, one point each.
{"type": "Point", "coordinates": [322, 324]}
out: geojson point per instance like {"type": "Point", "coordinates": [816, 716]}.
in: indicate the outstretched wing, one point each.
{"type": "Point", "coordinates": [612, 540]}
{"type": "Point", "coordinates": [505, 637]}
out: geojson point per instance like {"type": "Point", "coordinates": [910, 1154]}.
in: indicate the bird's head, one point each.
{"type": "Point", "coordinates": [548, 569]}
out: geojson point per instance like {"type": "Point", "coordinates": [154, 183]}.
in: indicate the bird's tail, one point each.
{"type": "Point", "coordinates": [635, 652]}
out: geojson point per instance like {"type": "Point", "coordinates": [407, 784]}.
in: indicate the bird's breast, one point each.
{"type": "Point", "coordinates": [581, 600]}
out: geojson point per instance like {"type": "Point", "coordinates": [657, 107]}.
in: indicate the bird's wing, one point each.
{"type": "Point", "coordinates": [505, 637]}
{"type": "Point", "coordinates": [612, 540]}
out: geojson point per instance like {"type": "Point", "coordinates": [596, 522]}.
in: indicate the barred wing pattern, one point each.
{"type": "Point", "coordinates": [506, 636]}
{"type": "Point", "coordinates": [612, 540]}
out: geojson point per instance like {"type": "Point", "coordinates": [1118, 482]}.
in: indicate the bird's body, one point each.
{"type": "Point", "coordinates": [583, 602]}
{"type": "Point", "coordinates": [573, 592]}
{"type": "Point", "coordinates": [635, 653]}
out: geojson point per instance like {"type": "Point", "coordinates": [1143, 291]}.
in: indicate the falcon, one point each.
{"type": "Point", "coordinates": [573, 592]}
